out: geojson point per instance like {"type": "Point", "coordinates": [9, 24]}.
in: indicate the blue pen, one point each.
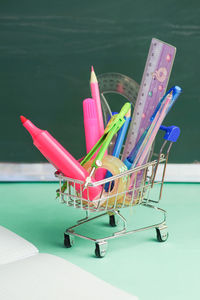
{"type": "Point", "coordinates": [121, 135]}
{"type": "Point", "coordinates": [176, 90]}
{"type": "Point", "coordinates": [119, 142]}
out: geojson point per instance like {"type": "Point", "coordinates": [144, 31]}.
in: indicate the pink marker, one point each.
{"type": "Point", "coordinates": [91, 124]}
{"type": "Point", "coordinates": [92, 133]}
{"type": "Point", "coordinates": [59, 157]}
{"type": "Point", "coordinates": [96, 96]}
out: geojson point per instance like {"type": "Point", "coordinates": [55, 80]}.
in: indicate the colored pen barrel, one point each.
{"type": "Point", "coordinates": [119, 142]}
{"type": "Point", "coordinates": [121, 136]}
{"type": "Point", "coordinates": [92, 133]}
{"type": "Point", "coordinates": [91, 124]}
{"type": "Point", "coordinates": [59, 157]}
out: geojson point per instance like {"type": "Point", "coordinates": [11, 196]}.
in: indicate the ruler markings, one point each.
{"type": "Point", "coordinates": [153, 86]}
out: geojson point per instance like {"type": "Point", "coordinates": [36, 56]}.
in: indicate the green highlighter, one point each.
{"type": "Point", "coordinates": [111, 129]}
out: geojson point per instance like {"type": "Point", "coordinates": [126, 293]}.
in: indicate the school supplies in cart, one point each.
{"type": "Point", "coordinates": [133, 186]}
{"type": "Point", "coordinates": [129, 184]}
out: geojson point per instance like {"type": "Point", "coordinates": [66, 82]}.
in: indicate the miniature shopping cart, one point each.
{"type": "Point", "coordinates": [127, 189]}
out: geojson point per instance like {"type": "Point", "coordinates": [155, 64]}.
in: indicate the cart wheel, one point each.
{"type": "Point", "coordinates": [100, 249]}
{"type": "Point", "coordinates": [68, 240]}
{"type": "Point", "coordinates": [162, 234]}
{"type": "Point", "coordinates": [112, 221]}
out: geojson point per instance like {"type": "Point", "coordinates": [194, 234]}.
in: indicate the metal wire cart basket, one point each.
{"type": "Point", "coordinates": [127, 189]}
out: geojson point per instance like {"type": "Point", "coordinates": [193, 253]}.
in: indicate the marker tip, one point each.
{"type": "Point", "coordinates": [23, 119]}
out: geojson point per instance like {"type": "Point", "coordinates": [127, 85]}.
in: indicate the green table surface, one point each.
{"type": "Point", "coordinates": [135, 263]}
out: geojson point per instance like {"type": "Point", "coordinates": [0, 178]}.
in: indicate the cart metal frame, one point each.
{"type": "Point", "coordinates": [111, 204]}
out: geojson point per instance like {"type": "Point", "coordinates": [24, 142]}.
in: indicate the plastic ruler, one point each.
{"type": "Point", "coordinates": [116, 83]}
{"type": "Point", "coordinates": [153, 86]}
{"type": "Point", "coordinates": [120, 84]}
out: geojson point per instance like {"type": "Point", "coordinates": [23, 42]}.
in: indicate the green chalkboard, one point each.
{"type": "Point", "coordinates": [48, 47]}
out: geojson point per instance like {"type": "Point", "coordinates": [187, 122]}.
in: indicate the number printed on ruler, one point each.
{"type": "Point", "coordinates": [152, 89]}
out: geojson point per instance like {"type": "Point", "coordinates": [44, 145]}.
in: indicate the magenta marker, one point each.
{"type": "Point", "coordinates": [92, 133]}
{"type": "Point", "coordinates": [91, 124]}
{"type": "Point", "coordinates": [59, 157]}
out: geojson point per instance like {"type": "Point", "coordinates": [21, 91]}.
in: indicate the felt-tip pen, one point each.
{"type": "Point", "coordinates": [59, 157]}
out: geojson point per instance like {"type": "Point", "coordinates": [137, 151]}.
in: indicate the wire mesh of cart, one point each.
{"type": "Point", "coordinates": [127, 189]}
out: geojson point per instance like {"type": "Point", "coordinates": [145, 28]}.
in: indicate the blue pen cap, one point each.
{"type": "Point", "coordinates": [176, 90]}
{"type": "Point", "coordinates": [172, 133]}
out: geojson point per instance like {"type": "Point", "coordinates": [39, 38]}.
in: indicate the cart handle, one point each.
{"type": "Point", "coordinates": [172, 133]}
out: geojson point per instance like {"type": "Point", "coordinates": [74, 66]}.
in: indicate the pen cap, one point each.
{"type": "Point", "coordinates": [176, 91]}
{"type": "Point", "coordinates": [91, 125]}
{"type": "Point", "coordinates": [172, 133]}
{"type": "Point", "coordinates": [32, 129]}
{"type": "Point", "coordinates": [89, 109]}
